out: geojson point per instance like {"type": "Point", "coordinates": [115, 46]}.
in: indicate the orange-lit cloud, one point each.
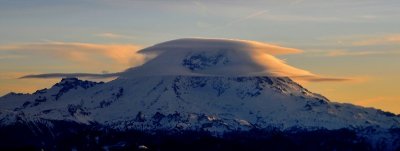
{"type": "Point", "coordinates": [84, 56]}
{"type": "Point", "coordinates": [248, 58]}
{"type": "Point", "coordinates": [123, 55]}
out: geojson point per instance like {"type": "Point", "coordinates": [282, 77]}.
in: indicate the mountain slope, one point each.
{"type": "Point", "coordinates": [213, 86]}
{"type": "Point", "coordinates": [218, 105]}
{"type": "Point", "coordinates": [228, 102]}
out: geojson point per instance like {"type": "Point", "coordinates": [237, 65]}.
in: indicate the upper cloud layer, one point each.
{"type": "Point", "coordinates": [206, 57]}
{"type": "Point", "coordinates": [214, 44]}
{"type": "Point", "coordinates": [82, 53]}
{"type": "Point", "coordinates": [220, 57]}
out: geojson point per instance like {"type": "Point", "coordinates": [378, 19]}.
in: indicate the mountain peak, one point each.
{"type": "Point", "coordinates": [69, 83]}
{"type": "Point", "coordinates": [215, 57]}
{"type": "Point", "coordinates": [69, 80]}
{"type": "Point", "coordinates": [73, 81]}
{"type": "Point", "coordinates": [208, 85]}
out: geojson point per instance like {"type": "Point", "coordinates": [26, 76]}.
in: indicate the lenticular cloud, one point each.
{"type": "Point", "coordinates": [215, 57]}
{"type": "Point", "coordinates": [208, 44]}
{"type": "Point", "coordinates": [211, 57]}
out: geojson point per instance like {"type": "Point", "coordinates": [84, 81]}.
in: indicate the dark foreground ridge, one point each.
{"type": "Point", "coordinates": [64, 135]}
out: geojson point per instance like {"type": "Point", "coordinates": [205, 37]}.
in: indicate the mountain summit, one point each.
{"type": "Point", "coordinates": [215, 57]}
{"type": "Point", "coordinates": [210, 85]}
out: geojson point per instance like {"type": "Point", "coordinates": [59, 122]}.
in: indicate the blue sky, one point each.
{"type": "Point", "coordinates": [294, 22]}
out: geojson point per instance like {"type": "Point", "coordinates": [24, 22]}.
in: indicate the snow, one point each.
{"type": "Point", "coordinates": [196, 84]}
{"type": "Point", "coordinates": [191, 102]}
{"type": "Point", "coordinates": [215, 57]}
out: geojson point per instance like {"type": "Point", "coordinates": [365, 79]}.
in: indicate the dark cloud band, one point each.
{"type": "Point", "coordinates": [66, 75]}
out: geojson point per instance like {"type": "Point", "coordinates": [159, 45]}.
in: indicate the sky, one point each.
{"type": "Point", "coordinates": [357, 40]}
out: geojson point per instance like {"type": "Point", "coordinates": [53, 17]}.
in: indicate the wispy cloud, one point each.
{"type": "Point", "coordinates": [378, 40]}
{"type": "Point", "coordinates": [128, 56]}
{"type": "Point", "coordinates": [297, 18]}
{"type": "Point", "coordinates": [84, 53]}
{"type": "Point", "coordinates": [352, 52]}
{"type": "Point", "coordinates": [114, 36]}
{"type": "Point", "coordinates": [277, 17]}
{"type": "Point", "coordinates": [332, 79]}
{"type": "Point", "coordinates": [247, 17]}
{"type": "Point", "coordinates": [10, 56]}
{"type": "Point", "coordinates": [104, 56]}
{"type": "Point", "coordinates": [317, 78]}
{"type": "Point", "coordinates": [80, 75]}
{"type": "Point", "coordinates": [337, 53]}
{"type": "Point", "coordinates": [295, 2]}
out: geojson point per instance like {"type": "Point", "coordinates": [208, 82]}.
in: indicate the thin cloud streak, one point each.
{"type": "Point", "coordinates": [117, 74]}
{"type": "Point", "coordinates": [378, 40]}
{"type": "Point", "coordinates": [66, 75]}
{"type": "Point", "coordinates": [322, 79]}
{"type": "Point", "coordinates": [345, 53]}
{"type": "Point", "coordinates": [339, 53]}
{"type": "Point", "coordinates": [267, 15]}
{"type": "Point", "coordinates": [113, 36]}
{"type": "Point", "coordinates": [364, 40]}
{"type": "Point", "coordinates": [242, 19]}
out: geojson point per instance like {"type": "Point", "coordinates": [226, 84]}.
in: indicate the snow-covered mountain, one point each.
{"type": "Point", "coordinates": [188, 102]}
{"type": "Point", "coordinates": [198, 88]}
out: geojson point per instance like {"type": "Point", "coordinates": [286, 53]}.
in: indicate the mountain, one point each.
{"type": "Point", "coordinates": [186, 91]}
